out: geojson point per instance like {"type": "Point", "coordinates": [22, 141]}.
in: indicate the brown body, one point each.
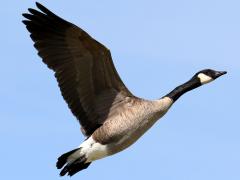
{"type": "Point", "coordinates": [134, 118]}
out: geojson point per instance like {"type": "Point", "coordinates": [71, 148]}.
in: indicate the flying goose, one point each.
{"type": "Point", "coordinates": [111, 117]}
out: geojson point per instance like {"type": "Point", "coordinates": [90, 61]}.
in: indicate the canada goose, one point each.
{"type": "Point", "coordinates": [111, 117]}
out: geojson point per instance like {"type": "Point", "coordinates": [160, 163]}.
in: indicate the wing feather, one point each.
{"type": "Point", "coordinates": [83, 67]}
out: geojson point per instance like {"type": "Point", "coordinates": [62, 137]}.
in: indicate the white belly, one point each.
{"type": "Point", "coordinates": [93, 150]}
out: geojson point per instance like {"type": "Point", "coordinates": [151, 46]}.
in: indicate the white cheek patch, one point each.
{"type": "Point", "coordinates": [204, 78]}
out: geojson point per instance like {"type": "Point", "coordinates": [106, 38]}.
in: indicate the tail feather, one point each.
{"type": "Point", "coordinates": [78, 167]}
{"type": "Point", "coordinates": [75, 167]}
{"type": "Point", "coordinates": [72, 166]}
{"type": "Point", "coordinates": [62, 160]}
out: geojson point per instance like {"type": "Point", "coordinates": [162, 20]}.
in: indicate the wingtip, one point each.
{"type": "Point", "coordinates": [31, 10]}
{"type": "Point", "coordinates": [25, 22]}
{"type": "Point", "coordinates": [58, 165]}
{"type": "Point", "coordinates": [38, 4]}
{"type": "Point", "coordinates": [41, 7]}
{"type": "Point", "coordinates": [25, 15]}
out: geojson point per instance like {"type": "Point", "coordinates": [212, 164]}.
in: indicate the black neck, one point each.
{"type": "Point", "coordinates": [180, 90]}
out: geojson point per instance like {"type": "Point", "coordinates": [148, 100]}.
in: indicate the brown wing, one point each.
{"type": "Point", "coordinates": [83, 67]}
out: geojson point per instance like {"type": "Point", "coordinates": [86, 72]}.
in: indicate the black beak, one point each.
{"type": "Point", "coordinates": [220, 73]}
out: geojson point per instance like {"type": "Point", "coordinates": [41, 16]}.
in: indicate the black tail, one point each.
{"type": "Point", "coordinates": [74, 167]}
{"type": "Point", "coordinates": [71, 167]}
{"type": "Point", "coordinates": [62, 160]}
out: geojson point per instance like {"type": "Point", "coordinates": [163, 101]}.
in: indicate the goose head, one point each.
{"type": "Point", "coordinates": [202, 77]}
{"type": "Point", "coordinates": [208, 75]}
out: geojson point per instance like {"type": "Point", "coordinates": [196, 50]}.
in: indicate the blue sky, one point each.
{"type": "Point", "coordinates": [156, 45]}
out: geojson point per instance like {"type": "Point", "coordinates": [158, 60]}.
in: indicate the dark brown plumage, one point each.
{"type": "Point", "coordinates": [83, 67]}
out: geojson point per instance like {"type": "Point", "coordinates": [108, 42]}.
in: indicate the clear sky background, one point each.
{"type": "Point", "coordinates": [156, 45]}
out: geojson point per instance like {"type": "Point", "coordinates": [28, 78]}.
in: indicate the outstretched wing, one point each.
{"type": "Point", "coordinates": [83, 67]}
